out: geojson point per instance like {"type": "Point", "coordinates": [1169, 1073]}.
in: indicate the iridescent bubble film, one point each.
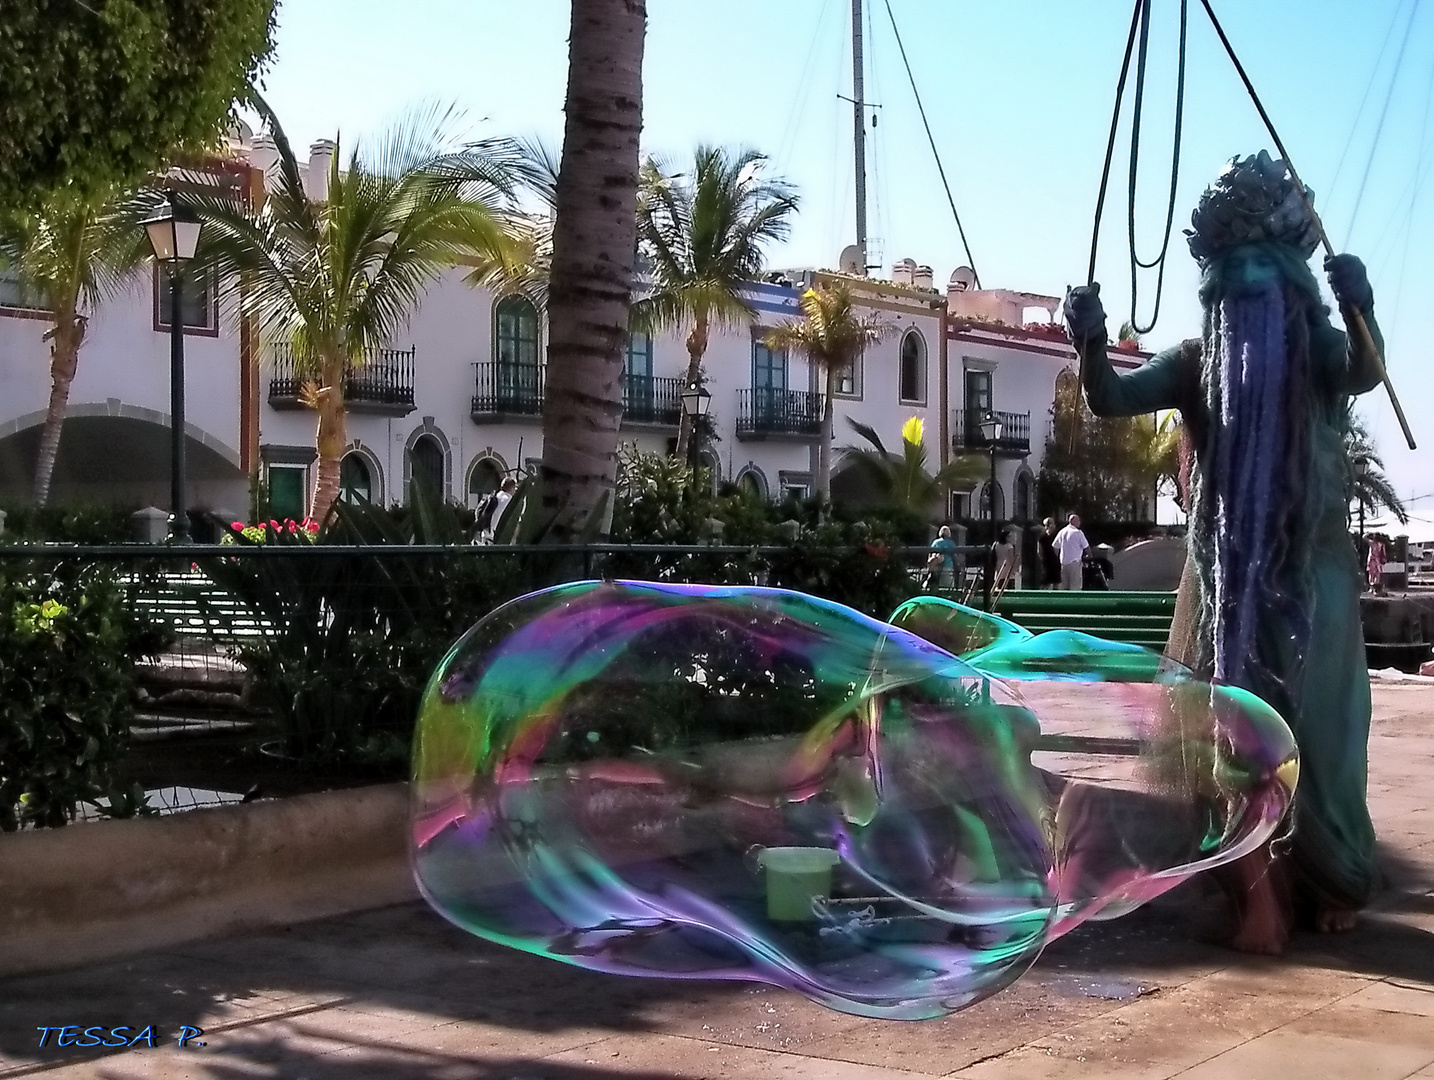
{"type": "Point", "coordinates": [691, 781]}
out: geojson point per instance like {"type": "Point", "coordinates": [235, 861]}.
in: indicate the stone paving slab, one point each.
{"type": "Point", "coordinates": [401, 993]}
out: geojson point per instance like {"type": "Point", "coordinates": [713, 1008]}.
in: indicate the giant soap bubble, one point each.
{"type": "Point", "coordinates": [690, 781]}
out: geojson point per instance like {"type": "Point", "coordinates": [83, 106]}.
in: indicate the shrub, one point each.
{"type": "Point", "coordinates": [67, 651]}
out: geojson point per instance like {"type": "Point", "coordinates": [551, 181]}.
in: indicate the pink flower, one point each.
{"type": "Point", "coordinates": [237, 526]}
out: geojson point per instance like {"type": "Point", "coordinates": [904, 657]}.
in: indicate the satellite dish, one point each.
{"type": "Point", "coordinates": [963, 278]}
{"type": "Point", "coordinates": [852, 261]}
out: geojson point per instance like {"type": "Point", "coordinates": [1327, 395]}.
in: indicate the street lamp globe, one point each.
{"type": "Point", "coordinates": [991, 429]}
{"type": "Point", "coordinates": [696, 400]}
{"type": "Point", "coordinates": [173, 232]}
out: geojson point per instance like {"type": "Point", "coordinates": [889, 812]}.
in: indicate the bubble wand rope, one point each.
{"type": "Point", "coordinates": [1353, 317]}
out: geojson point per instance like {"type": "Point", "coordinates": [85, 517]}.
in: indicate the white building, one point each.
{"type": "Point", "coordinates": [457, 398]}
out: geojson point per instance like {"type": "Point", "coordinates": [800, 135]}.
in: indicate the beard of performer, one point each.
{"type": "Point", "coordinates": [1250, 499]}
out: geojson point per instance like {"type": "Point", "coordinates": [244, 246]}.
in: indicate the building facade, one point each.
{"type": "Point", "coordinates": [455, 402]}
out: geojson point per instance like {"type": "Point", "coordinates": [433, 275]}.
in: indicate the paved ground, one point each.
{"type": "Point", "coordinates": [398, 993]}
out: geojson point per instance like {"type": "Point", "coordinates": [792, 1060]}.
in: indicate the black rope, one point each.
{"type": "Point", "coordinates": [1114, 131]}
{"type": "Point", "coordinates": [1136, 263]}
{"type": "Point", "coordinates": [971, 262]}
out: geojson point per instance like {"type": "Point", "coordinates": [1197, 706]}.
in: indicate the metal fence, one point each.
{"type": "Point", "coordinates": [265, 670]}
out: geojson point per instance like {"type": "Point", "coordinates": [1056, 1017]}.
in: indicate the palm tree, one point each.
{"type": "Point", "coordinates": [594, 242]}
{"type": "Point", "coordinates": [71, 255]}
{"type": "Point", "coordinates": [1371, 485]}
{"type": "Point", "coordinates": [703, 236]}
{"type": "Point", "coordinates": [903, 481]}
{"type": "Point", "coordinates": [833, 336]}
{"type": "Point", "coordinates": [336, 279]}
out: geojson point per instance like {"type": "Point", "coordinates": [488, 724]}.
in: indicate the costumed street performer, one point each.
{"type": "Point", "coordinates": [1270, 600]}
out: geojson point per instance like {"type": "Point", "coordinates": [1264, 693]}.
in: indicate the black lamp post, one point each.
{"type": "Point", "coordinates": [696, 401]}
{"type": "Point", "coordinates": [174, 235]}
{"type": "Point", "coordinates": [991, 432]}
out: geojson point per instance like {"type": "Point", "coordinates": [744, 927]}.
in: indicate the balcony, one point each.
{"type": "Point", "coordinates": [508, 392]}
{"type": "Point", "coordinates": [769, 413]}
{"type": "Point", "coordinates": [649, 401]}
{"type": "Point", "coordinates": [1015, 431]}
{"type": "Point", "coordinates": [383, 386]}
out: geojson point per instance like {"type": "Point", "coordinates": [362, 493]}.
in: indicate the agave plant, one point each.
{"type": "Point", "coordinates": [903, 480]}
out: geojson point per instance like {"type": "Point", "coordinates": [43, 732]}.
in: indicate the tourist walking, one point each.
{"type": "Point", "coordinates": [1050, 561]}
{"type": "Point", "coordinates": [1070, 545]}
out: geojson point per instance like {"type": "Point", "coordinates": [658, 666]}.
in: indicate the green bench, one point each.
{"type": "Point", "coordinates": [1137, 618]}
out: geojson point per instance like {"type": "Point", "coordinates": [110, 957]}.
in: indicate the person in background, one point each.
{"type": "Point", "coordinates": [1374, 566]}
{"type": "Point", "coordinates": [944, 549]}
{"type": "Point", "coordinates": [1099, 571]}
{"type": "Point", "coordinates": [1070, 545]}
{"type": "Point", "coordinates": [490, 511]}
{"type": "Point", "coordinates": [1050, 561]}
{"type": "Point", "coordinates": [1007, 559]}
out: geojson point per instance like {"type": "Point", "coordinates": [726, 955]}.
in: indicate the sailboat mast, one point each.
{"type": "Point", "coordinates": [858, 111]}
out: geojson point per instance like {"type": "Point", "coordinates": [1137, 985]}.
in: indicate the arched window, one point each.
{"type": "Point", "coordinates": [750, 483]}
{"type": "Point", "coordinates": [1025, 498]}
{"type": "Point", "coordinates": [483, 479]}
{"type": "Point", "coordinates": [913, 367]}
{"type": "Point", "coordinates": [425, 461]}
{"type": "Point", "coordinates": [986, 492]}
{"type": "Point", "coordinates": [355, 479]}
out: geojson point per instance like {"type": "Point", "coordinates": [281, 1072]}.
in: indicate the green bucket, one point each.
{"type": "Point", "coordinates": [796, 876]}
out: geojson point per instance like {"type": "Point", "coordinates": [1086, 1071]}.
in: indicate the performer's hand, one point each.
{"type": "Point", "coordinates": [1085, 318]}
{"type": "Point", "coordinates": [1349, 281]}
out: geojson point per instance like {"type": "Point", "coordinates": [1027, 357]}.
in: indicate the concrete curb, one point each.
{"type": "Point", "coordinates": [105, 889]}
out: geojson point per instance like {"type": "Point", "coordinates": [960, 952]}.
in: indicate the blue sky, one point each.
{"type": "Point", "coordinates": [1019, 95]}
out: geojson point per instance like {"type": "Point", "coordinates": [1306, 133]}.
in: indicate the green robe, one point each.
{"type": "Point", "coordinates": [1325, 699]}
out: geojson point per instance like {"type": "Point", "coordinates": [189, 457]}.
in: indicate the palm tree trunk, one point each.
{"type": "Point", "coordinates": [824, 450]}
{"type": "Point", "coordinates": [64, 357]}
{"type": "Point", "coordinates": [590, 283]}
{"type": "Point", "coordinates": [330, 440]}
{"type": "Point", "coordinates": [696, 350]}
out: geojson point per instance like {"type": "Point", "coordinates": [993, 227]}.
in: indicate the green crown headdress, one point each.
{"type": "Point", "coordinates": [1253, 201]}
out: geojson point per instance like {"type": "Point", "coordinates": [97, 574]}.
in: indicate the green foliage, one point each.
{"type": "Point", "coordinates": [1102, 468]}
{"type": "Point", "coordinates": [903, 481]}
{"type": "Point", "coordinates": [67, 652]}
{"type": "Point", "coordinates": [75, 524]}
{"type": "Point", "coordinates": [351, 638]}
{"type": "Point", "coordinates": [1372, 488]}
{"type": "Point", "coordinates": [100, 94]}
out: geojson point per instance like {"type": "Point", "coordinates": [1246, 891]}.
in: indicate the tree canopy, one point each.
{"type": "Point", "coordinates": [100, 93]}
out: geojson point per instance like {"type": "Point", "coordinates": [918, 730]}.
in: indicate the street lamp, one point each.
{"type": "Point", "coordinates": [174, 235]}
{"type": "Point", "coordinates": [696, 401]}
{"type": "Point", "coordinates": [991, 432]}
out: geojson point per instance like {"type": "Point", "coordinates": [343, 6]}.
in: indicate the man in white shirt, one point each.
{"type": "Point", "coordinates": [1070, 544]}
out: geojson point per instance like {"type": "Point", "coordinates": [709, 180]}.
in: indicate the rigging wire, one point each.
{"type": "Point", "coordinates": [804, 83]}
{"type": "Point", "coordinates": [921, 109]}
{"type": "Point", "coordinates": [1114, 131]}
{"type": "Point", "coordinates": [1364, 100]}
{"type": "Point", "coordinates": [1383, 116]}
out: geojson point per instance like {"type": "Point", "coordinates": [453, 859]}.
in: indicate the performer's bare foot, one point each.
{"type": "Point", "coordinates": [1261, 906]}
{"type": "Point", "coordinates": [1332, 920]}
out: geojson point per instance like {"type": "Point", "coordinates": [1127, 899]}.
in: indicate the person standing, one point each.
{"type": "Point", "coordinates": [490, 511]}
{"type": "Point", "coordinates": [1375, 564]}
{"type": "Point", "coordinates": [1050, 561]}
{"type": "Point", "coordinates": [944, 549]}
{"type": "Point", "coordinates": [1265, 394]}
{"type": "Point", "coordinates": [1070, 545]}
{"type": "Point", "coordinates": [1007, 560]}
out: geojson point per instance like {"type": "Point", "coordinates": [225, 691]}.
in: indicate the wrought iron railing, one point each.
{"type": "Point", "coordinates": [508, 390]}
{"type": "Point", "coordinates": [1015, 430]}
{"type": "Point", "coordinates": [648, 399]}
{"type": "Point", "coordinates": [387, 379]}
{"type": "Point", "coordinates": [765, 410]}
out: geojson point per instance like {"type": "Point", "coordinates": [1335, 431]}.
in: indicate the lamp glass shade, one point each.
{"type": "Point", "coordinates": [696, 401]}
{"type": "Point", "coordinates": [173, 233]}
{"type": "Point", "coordinates": [991, 429]}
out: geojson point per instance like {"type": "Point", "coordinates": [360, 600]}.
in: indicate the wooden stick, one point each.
{"type": "Point", "coordinates": [1353, 317]}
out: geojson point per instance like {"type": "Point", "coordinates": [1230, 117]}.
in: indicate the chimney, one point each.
{"type": "Point", "coordinates": [903, 272]}
{"type": "Point", "coordinates": [321, 160]}
{"type": "Point", "coordinates": [923, 278]}
{"type": "Point", "coordinates": [263, 153]}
